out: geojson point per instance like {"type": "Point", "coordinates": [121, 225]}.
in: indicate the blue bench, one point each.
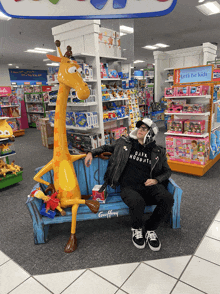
{"type": "Point", "coordinates": [88, 178]}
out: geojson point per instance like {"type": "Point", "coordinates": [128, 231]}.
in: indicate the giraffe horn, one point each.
{"type": "Point", "coordinates": [57, 42]}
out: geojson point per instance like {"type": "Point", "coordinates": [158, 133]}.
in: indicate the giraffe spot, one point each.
{"type": "Point", "coordinates": [57, 163]}
{"type": "Point", "coordinates": [56, 143]}
{"type": "Point", "coordinates": [58, 153]}
{"type": "Point", "coordinates": [57, 115]}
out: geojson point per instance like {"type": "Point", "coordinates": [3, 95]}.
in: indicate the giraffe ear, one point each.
{"type": "Point", "coordinates": [54, 58]}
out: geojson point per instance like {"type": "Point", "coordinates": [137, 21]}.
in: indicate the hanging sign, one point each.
{"type": "Point", "coordinates": [86, 9]}
{"type": "Point", "coordinates": [196, 74]}
{"type": "Point", "coordinates": [4, 91]}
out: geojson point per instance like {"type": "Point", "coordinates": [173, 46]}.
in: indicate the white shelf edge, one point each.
{"type": "Point", "coordinates": [2, 156]}
{"type": "Point", "coordinates": [84, 54]}
{"type": "Point", "coordinates": [149, 84]}
{"type": "Point", "coordinates": [3, 106]}
{"type": "Point", "coordinates": [169, 68]}
{"type": "Point", "coordinates": [115, 119]}
{"type": "Point", "coordinates": [216, 126]}
{"type": "Point", "coordinates": [33, 102]}
{"type": "Point", "coordinates": [57, 82]}
{"type": "Point", "coordinates": [187, 135]}
{"type": "Point", "coordinates": [188, 113]}
{"type": "Point", "coordinates": [110, 79]}
{"type": "Point", "coordinates": [35, 112]}
{"type": "Point", "coordinates": [77, 128]}
{"type": "Point", "coordinates": [184, 97]}
{"type": "Point", "coordinates": [112, 57]}
{"type": "Point", "coordinates": [4, 139]}
{"type": "Point", "coordinates": [4, 117]}
{"type": "Point", "coordinates": [76, 104]}
{"type": "Point", "coordinates": [111, 100]}
{"type": "Point", "coordinates": [216, 102]}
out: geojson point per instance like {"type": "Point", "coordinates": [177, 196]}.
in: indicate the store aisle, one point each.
{"type": "Point", "coordinates": [191, 274]}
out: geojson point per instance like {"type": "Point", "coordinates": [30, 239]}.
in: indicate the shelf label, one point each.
{"type": "Point", "coordinates": [4, 91]}
{"type": "Point", "coordinates": [193, 74]}
{"type": "Point", "coordinates": [83, 9]}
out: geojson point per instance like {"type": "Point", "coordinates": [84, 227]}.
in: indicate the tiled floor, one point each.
{"type": "Point", "coordinates": [194, 274]}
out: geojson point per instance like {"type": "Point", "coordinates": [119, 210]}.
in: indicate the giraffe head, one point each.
{"type": "Point", "coordinates": [70, 74]}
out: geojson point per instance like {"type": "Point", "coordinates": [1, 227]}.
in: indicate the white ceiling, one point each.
{"type": "Point", "coordinates": [182, 28]}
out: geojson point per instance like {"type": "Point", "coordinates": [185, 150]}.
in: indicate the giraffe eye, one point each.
{"type": "Point", "coordinates": [72, 69]}
{"type": "Point", "coordinates": [6, 133]}
{"type": "Point", "coordinates": [79, 70]}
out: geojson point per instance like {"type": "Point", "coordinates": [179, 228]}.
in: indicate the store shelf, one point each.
{"type": "Point", "coordinates": [184, 97]}
{"type": "Point", "coordinates": [14, 117]}
{"type": "Point", "coordinates": [187, 135]}
{"type": "Point", "coordinates": [188, 113]}
{"type": "Point", "coordinates": [84, 54]}
{"type": "Point", "coordinates": [6, 155]}
{"type": "Point", "coordinates": [116, 119]}
{"type": "Point", "coordinates": [4, 117]}
{"type": "Point", "coordinates": [192, 169]}
{"type": "Point", "coordinates": [150, 77]}
{"type": "Point", "coordinates": [216, 102]}
{"type": "Point", "coordinates": [149, 84]}
{"type": "Point", "coordinates": [34, 102]}
{"type": "Point", "coordinates": [169, 81]}
{"type": "Point", "coordinates": [169, 68]}
{"type": "Point", "coordinates": [110, 79]}
{"type": "Point", "coordinates": [113, 58]}
{"type": "Point", "coordinates": [77, 128]}
{"type": "Point", "coordinates": [3, 106]}
{"type": "Point", "coordinates": [35, 111]}
{"type": "Point", "coordinates": [111, 100]}
{"type": "Point", "coordinates": [77, 104]}
{"type": "Point", "coordinates": [18, 133]}
{"type": "Point", "coordinates": [4, 139]}
{"type": "Point", "coordinates": [216, 126]}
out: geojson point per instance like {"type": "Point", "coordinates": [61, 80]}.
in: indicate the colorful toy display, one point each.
{"type": "Point", "coordinates": [4, 148]}
{"type": "Point", "coordinates": [65, 179]}
{"type": "Point", "coordinates": [190, 150]}
{"type": "Point", "coordinates": [199, 90]}
{"type": "Point", "coordinates": [181, 91]}
{"type": "Point", "coordinates": [196, 127]}
{"type": "Point", "coordinates": [175, 126]}
{"type": "Point", "coordinates": [195, 108]}
{"type": "Point", "coordinates": [169, 92]}
{"type": "Point", "coordinates": [8, 168]}
{"type": "Point", "coordinates": [216, 93]}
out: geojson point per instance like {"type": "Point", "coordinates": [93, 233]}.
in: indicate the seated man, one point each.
{"type": "Point", "coordinates": [141, 169]}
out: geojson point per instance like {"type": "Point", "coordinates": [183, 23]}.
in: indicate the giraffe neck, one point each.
{"type": "Point", "coordinates": [60, 120]}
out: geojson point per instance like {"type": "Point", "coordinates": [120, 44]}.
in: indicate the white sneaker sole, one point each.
{"type": "Point", "coordinates": [139, 246]}
{"type": "Point", "coordinates": [154, 248]}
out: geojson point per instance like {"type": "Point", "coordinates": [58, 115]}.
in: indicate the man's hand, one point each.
{"type": "Point", "coordinates": [88, 159]}
{"type": "Point", "coordinates": [151, 182]}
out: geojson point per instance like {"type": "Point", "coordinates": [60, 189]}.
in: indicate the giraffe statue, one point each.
{"type": "Point", "coordinates": [65, 180]}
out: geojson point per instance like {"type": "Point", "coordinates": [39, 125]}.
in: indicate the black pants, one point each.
{"type": "Point", "coordinates": [136, 198]}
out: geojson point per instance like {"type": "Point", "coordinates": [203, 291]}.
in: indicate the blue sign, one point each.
{"type": "Point", "coordinates": [193, 75]}
{"type": "Point", "coordinates": [20, 76]}
{"type": "Point", "coordinates": [138, 74]}
{"type": "Point", "coordinates": [83, 9]}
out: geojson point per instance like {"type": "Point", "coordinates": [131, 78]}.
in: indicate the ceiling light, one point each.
{"type": "Point", "coordinates": [124, 49]}
{"type": "Point", "coordinates": [10, 64]}
{"type": "Point", "coordinates": [162, 45]}
{"type": "Point", "coordinates": [209, 8]}
{"type": "Point", "coordinates": [132, 67]}
{"type": "Point", "coordinates": [126, 29]}
{"type": "Point", "coordinates": [53, 64]}
{"type": "Point", "coordinates": [122, 34]}
{"type": "Point", "coordinates": [138, 61]}
{"type": "Point", "coordinates": [43, 49]}
{"type": "Point", "coordinates": [36, 51]}
{"type": "Point", "coordinates": [150, 47]}
{"type": "Point", "coordinates": [46, 59]}
{"type": "Point", "coordinates": [17, 66]}
{"type": "Point", "coordinates": [200, 1]}
{"type": "Point", "coordinates": [4, 17]}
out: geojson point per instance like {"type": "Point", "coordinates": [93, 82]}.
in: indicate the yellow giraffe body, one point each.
{"type": "Point", "coordinates": [65, 179]}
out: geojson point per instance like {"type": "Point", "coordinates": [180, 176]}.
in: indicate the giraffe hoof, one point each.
{"type": "Point", "coordinates": [71, 244]}
{"type": "Point", "coordinates": [93, 205]}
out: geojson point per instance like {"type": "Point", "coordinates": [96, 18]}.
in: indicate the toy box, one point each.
{"type": "Point", "coordinates": [82, 119]}
{"type": "Point", "coordinates": [181, 91]}
{"type": "Point", "coordinates": [188, 149]}
{"type": "Point", "coordinates": [70, 118]}
{"type": "Point", "coordinates": [112, 73]}
{"type": "Point", "coordinates": [195, 108]}
{"type": "Point", "coordinates": [169, 92]}
{"type": "Point", "coordinates": [51, 116]}
{"type": "Point", "coordinates": [47, 133]}
{"type": "Point", "coordinates": [216, 93]}
{"type": "Point", "coordinates": [194, 127]}
{"type": "Point", "coordinates": [199, 90]}
{"type": "Point", "coordinates": [81, 141]}
{"type": "Point", "coordinates": [104, 70]}
{"type": "Point", "coordinates": [175, 126]}
{"type": "Point", "coordinates": [96, 195]}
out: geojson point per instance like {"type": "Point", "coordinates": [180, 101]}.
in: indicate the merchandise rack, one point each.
{"type": "Point", "coordinates": [195, 169]}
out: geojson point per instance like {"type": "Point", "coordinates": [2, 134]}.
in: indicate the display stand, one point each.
{"type": "Point", "coordinates": [85, 37]}
{"type": "Point", "coordinates": [184, 167]}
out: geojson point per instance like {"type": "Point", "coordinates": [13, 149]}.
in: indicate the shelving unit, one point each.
{"type": "Point", "coordinates": [187, 167]}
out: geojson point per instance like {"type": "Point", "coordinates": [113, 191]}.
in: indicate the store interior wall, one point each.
{"type": "Point", "coordinates": [4, 76]}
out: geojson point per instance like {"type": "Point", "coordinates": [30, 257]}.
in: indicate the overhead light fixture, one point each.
{"type": "Point", "coordinates": [53, 64]}
{"type": "Point", "coordinates": [122, 34]}
{"type": "Point", "coordinates": [132, 67]}
{"type": "Point", "coordinates": [125, 29]}
{"type": "Point", "coordinates": [200, 1]}
{"type": "Point", "coordinates": [156, 46]}
{"type": "Point", "coordinates": [43, 49]}
{"type": "Point", "coordinates": [209, 8]}
{"type": "Point", "coordinates": [36, 51]}
{"type": "Point", "coordinates": [4, 17]}
{"type": "Point", "coordinates": [124, 49]}
{"type": "Point", "coordinates": [17, 66]}
{"type": "Point", "coordinates": [138, 61]}
{"type": "Point", "coordinates": [10, 64]}
{"type": "Point", "coordinates": [46, 59]}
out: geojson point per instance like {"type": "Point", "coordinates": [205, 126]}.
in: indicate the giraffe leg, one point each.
{"type": "Point", "coordinates": [72, 242]}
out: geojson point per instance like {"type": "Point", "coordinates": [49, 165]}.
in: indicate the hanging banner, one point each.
{"type": "Point", "coordinates": [4, 91]}
{"type": "Point", "coordinates": [86, 9]}
{"type": "Point", "coordinates": [28, 77]}
{"type": "Point", "coordinates": [196, 74]}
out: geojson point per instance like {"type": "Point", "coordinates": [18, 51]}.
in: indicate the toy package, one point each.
{"type": "Point", "coordinates": [81, 141]}
{"type": "Point", "coordinates": [52, 116]}
{"type": "Point", "coordinates": [216, 93]}
{"type": "Point", "coordinates": [181, 91]}
{"type": "Point", "coordinates": [175, 126]}
{"type": "Point", "coordinates": [70, 118]}
{"type": "Point", "coordinates": [104, 70]}
{"type": "Point", "coordinates": [96, 195]}
{"type": "Point", "coordinates": [199, 90]}
{"type": "Point", "coordinates": [112, 73]}
{"type": "Point", "coordinates": [188, 149]}
{"type": "Point", "coordinates": [169, 92]}
{"type": "Point", "coordinates": [175, 105]}
{"type": "Point", "coordinates": [196, 108]}
{"type": "Point", "coordinates": [195, 127]}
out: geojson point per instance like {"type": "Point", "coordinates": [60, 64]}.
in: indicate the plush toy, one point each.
{"type": "Point", "coordinates": [5, 130]}
{"type": "Point", "coordinates": [68, 53]}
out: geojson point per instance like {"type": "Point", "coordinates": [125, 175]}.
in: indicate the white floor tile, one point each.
{"type": "Point", "coordinates": [218, 216]}
{"type": "Point", "coordinates": [172, 266]}
{"type": "Point", "coordinates": [147, 280]}
{"type": "Point", "coordinates": [30, 287]}
{"type": "Point", "coordinates": [209, 249]}
{"type": "Point", "coordinates": [11, 275]}
{"type": "Point", "coordinates": [117, 274]}
{"type": "Point", "coordinates": [90, 283]}
{"type": "Point", "coordinates": [59, 281]}
{"type": "Point", "coordinates": [182, 288]}
{"type": "Point", "coordinates": [202, 275]}
{"type": "Point", "coordinates": [3, 257]}
{"type": "Point", "coordinates": [214, 230]}
{"type": "Point", "coordinates": [120, 292]}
